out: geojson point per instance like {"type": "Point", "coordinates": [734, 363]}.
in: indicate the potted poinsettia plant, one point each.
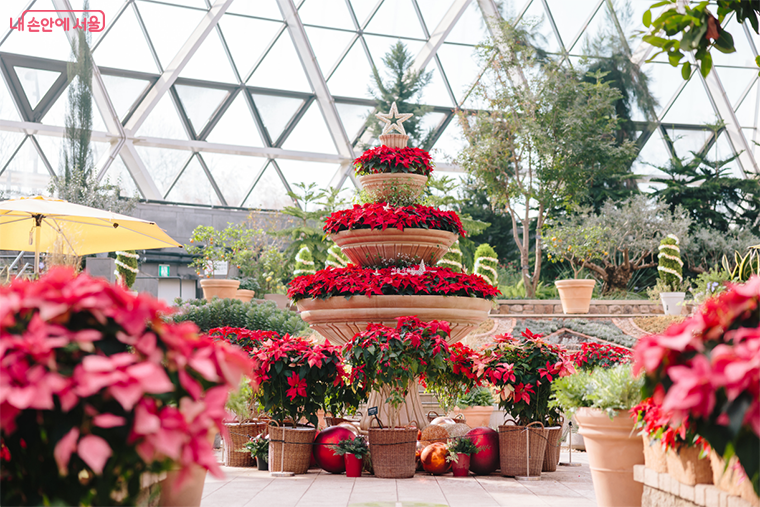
{"type": "Point", "coordinates": [522, 371]}
{"type": "Point", "coordinates": [577, 245]}
{"type": "Point", "coordinates": [389, 361]}
{"type": "Point", "coordinates": [98, 390]}
{"type": "Point", "coordinates": [458, 378]}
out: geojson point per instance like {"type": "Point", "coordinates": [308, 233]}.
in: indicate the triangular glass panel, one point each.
{"type": "Point", "coordinates": [735, 81]}
{"type": "Point", "coordinates": [747, 110]}
{"type": "Point", "coordinates": [233, 174]}
{"type": "Point", "coordinates": [722, 150]}
{"type": "Point", "coordinates": [469, 29]}
{"type": "Point", "coordinates": [683, 109]}
{"type": "Point", "coordinates": [687, 141]}
{"type": "Point", "coordinates": [570, 17]}
{"type": "Point", "coordinates": [363, 9]}
{"type": "Point", "coordinates": [53, 45]}
{"type": "Point", "coordinates": [26, 174]}
{"type": "Point", "coordinates": [664, 82]}
{"type": "Point", "coordinates": [124, 92]}
{"type": "Point", "coordinates": [56, 115]}
{"type": "Point", "coordinates": [8, 109]}
{"type": "Point", "coordinates": [744, 55]}
{"type": "Point", "coordinates": [200, 103]}
{"type": "Point", "coordinates": [429, 123]}
{"type": "Point", "coordinates": [35, 83]}
{"type": "Point", "coordinates": [600, 24]}
{"type": "Point", "coordinates": [435, 93]}
{"type": "Point", "coordinates": [654, 154]}
{"type": "Point", "coordinates": [9, 141]}
{"type": "Point", "coordinates": [512, 10]}
{"type": "Point", "coordinates": [450, 144]}
{"type": "Point", "coordinates": [353, 118]}
{"type": "Point", "coordinates": [311, 133]}
{"type": "Point", "coordinates": [193, 186]}
{"type": "Point", "coordinates": [276, 112]}
{"type": "Point", "coordinates": [52, 147]}
{"type": "Point", "coordinates": [210, 62]}
{"type": "Point", "coordinates": [432, 13]}
{"type": "Point", "coordinates": [168, 39]}
{"type": "Point", "coordinates": [353, 77]}
{"type": "Point", "coordinates": [236, 126]}
{"type": "Point", "coordinates": [269, 192]}
{"type": "Point", "coordinates": [535, 20]}
{"type": "Point", "coordinates": [162, 164]}
{"type": "Point", "coordinates": [163, 121]}
{"type": "Point", "coordinates": [117, 174]}
{"type": "Point", "coordinates": [259, 8]}
{"type": "Point", "coordinates": [110, 9]}
{"type": "Point", "coordinates": [300, 171]}
{"type": "Point", "coordinates": [126, 33]}
{"type": "Point", "coordinates": [270, 73]}
{"type": "Point", "coordinates": [328, 13]}
{"type": "Point", "coordinates": [396, 18]}
{"type": "Point", "coordinates": [380, 46]}
{"type": "Point", "coordinates": [461, 67]}
{"type": "Point", "coordinates": [328, 46]}
{"type": "Point", "coordinates": [248, 39]}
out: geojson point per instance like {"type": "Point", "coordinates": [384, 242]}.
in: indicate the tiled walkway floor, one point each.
{"type": "Point", "coordinates": [567, 487]}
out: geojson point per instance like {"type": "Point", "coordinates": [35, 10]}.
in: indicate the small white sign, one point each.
{"type": "Point", "coordinates": [220, 268]}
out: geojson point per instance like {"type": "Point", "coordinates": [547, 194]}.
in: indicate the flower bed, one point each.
{"type": "Point", "coordinates": [353, 280]}
{"type": "Point", "coordinates": [592, 355]}
{"type": "Point", "coordinates": [381, 216]}
{"type": "Point", "coordinates": [384, 159]}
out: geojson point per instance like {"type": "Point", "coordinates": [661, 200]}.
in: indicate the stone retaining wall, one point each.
{"type": "Point", "coordinates": [662, 490]}
{"type": "Point", "coordinates": [598, 307]}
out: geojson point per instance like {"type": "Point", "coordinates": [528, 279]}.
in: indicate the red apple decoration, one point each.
{"type": "Point", "coordinates": [485, 461]}
{"type": "Point", "coordinates": [433, 458]}
{"type": "Point", "coordinates": [325, 455]}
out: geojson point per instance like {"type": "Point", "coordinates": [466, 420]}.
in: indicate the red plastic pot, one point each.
{"type": "Point", "coordinates": [461, 466]}
{"type": "Point", "coordinates": [353, 465]}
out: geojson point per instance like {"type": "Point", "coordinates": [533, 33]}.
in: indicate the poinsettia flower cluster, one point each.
{"type": "Point", "coordinates": [522, 370]}
{"type": "Point", "coordinates": [381, 216]}
{"type": "Point", "coordinates": [246, 339]}
{"type": "Point", "coordinates": [384, 159]}
{"type": "Point", "coordinates": [605, 355]}
{"type": "Point", "coordinates": [654, 422]}
{"type": "Point", "coordinates": [95, 385]}
{"type": "Point", "coordinates": [356, 281]}
{"type": "Point", "coordinates": [707, 368]}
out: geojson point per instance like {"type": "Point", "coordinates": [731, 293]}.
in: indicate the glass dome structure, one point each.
{"type": "Point", "coordinates": [230, 102]}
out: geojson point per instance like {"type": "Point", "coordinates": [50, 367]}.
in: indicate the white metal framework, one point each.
{"type": "Point", "coordinates": [229, 102]}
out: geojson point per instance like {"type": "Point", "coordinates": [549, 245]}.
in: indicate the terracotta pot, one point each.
{"type": "Point", "coordinates": [476, 416]}
{"type": "Point", "coordinates": [685, 466]}
{"type": "Point", "coordinates": [186, 493]}
{"type": "Point", "coordinates": [394, 140]}
{"type": "Point", "coordinates": [654, 455]}
{"type": "Point", "coordinates": [339, 319]}
{"type": "Point", "coordinates": [461, 467]}
{"type": "Point", "coordinates": [244, 295]}
{"type": "Point", "coordinates": [381, 186]}
{"type": "Point", "coordinates": [553, 444]}
{"type": "Point", "coordinates": [672, 302]}
{"type": "Point", "coordinates": [575, 295]}
{"type": "Point", "coordinates": [223, 289]}
{"type": "Point", "coordinates": [353, 465]}
{"type": "Point", "coordinates": [367, 247]}
{"type": "Point", "coordinates": [281, 300]}
{"type": "Point", "coordinates": [613, 449]}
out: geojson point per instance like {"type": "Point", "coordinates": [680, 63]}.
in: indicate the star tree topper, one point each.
{"type": "Point", "coordinates": [387, 119]}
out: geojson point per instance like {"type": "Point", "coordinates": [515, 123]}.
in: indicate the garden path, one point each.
{"type": "Point", "coordinates": [247, 487]}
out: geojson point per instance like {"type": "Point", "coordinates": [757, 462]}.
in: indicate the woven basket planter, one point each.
{"type": "Point", "coordinates": [553, 445]}
{"type": "Point", "coordinates": [290, 449]}
{"type": "Point", "coordinates": [235, 453]}
{"type": "Point", "coordinates": [654, 455]}
{"type": "Point", "coordinates": [685, 466]}
{"type": "Point", "coordinates": [393, 452]}
{"type": "Point", "coordinates": [367, 247]}
{"type": "Point", "coordinates": [521, 449]}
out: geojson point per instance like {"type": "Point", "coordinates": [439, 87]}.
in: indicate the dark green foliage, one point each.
{"type": "Point", "coordinates": [126, 274]}
{"type": "Point", "coordinates": [234, 313]}
{"type": "Point", "coordinates": [478, 397]}
{"type": "Point", "coordinates": [357, 446]}
{"type": "Point", "coordinates": [670, 264]}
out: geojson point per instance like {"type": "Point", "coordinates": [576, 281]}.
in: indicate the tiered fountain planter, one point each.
{"type": "Point", "coordinates": [367, 247]}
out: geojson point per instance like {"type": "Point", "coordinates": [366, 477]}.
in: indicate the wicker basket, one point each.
{"type": "Point", "coordinates": [654, 455]}
{"type": "Point", "coordinates": [290, 448]}
{"type": "Point", "coordinates": [685, 466]}
{"type": "Point", "coordinates": [520, 445]}
{"type": "Point", "coordinates": [235, 453]}
{"type": "Point", "coordinates": [393, 452]}
{"type": "Point", "coordinates": [553, 444]}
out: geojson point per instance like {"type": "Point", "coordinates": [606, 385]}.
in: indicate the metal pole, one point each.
{"type": "Point", "coordinates": [38, 230]}
{"type": "Point", "coordinates": [570, 447]}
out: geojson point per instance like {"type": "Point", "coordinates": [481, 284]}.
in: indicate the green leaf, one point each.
{"type": "Point", "coordinates": [647, 18]}
{"type": "Point", "coordinates": [725, 43]}
{"type": "Point", "coordinates": [706, 64]}
{"type": "Point", "coordinates": [686, 71]}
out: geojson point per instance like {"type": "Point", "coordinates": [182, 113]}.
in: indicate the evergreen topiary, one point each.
{"type": "Point", "coordinates": [336, 258]}
{"type": "Point", "coordinates": [485, 263]}
{"type": "Point", "coordinates": [453, 258]}
{"type": "Point", "coordinates": [126, 267]}
{"type": "Point", "coordinates": [670, 264]}
{"type": "Point", "coordinates": [304, 262]}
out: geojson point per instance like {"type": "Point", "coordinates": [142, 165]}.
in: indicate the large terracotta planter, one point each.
{"type": "Point", "coordinates": [367, 247]}
{"type": "Point", "coordinates": [339, 319]}
{"type": "Point", "coordinates": [613, 449]}
{"type": "Point", "coordinates": [244, 295]}
{"type": "Point", "coordinates": [476, 416]}
{"type": "Point", "coordinates": [187, 493]}
{"type": "Point", "coordinates": [575, 295]}
{"type": "Point", "coordinates": [223, 289]}
{"type": "Point", "coordinates": [381, 186]}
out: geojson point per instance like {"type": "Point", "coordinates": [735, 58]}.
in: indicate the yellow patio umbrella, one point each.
{"type": "Point", "coordinates": [36, 224]}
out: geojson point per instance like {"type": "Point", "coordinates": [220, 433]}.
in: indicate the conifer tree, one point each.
{"type": "Point", "coordinates": [453, 258]}
{"type": "Point", "coordinates": [126, 267]}
{"type": "Point", "coordinates": [336, 258]}
{"type": "Point", "coordinates": [485, 264]}
{"type": "Point", "coordinates": [670, 265]}
{"type": "Point", "coordinates": [304, 262]}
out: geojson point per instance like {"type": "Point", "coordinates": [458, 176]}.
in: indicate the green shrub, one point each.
{"type": "Point", "coordinates": [486, 262]}
{"type": "Point", "coordinates": [610, 389]}
{"type": "Point", "coordinates": [452, 259]}
{"type": "Point", "coordinates": [709, 284]}
{"type": "Point", "coordinates": [235, 313]}
{"type": "Point", "coordinates": [670, 264]}
{"type": "Point", "coordinates": [478, 397]}
{"type": "Point", "coordinates": [304, 262]}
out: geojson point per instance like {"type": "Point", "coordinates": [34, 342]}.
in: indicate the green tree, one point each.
{"type": "Point", "coordinates": [304, 262]}
{"type": "Point", "coordinates": [670, 265]}
{"type": "Point", "coordinates": [404, 87]}
{"type": "Point", "coordinates": [538, 143]}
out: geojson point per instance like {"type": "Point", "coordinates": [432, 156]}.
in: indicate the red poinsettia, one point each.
{"type": "Point", "coordinates": [384, 159]}
{"type": "Point", "coordinates": [592, 355]}
{"type": "Point", "coordinates": [355, 281]}
{"type": "Point", "coordinates": [382, 216]}
{"type": "Point", "coordinates": [654, 422]}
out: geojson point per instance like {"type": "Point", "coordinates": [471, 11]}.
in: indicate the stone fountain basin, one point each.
{"type": "Point", "coordinates": [365, 247]}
